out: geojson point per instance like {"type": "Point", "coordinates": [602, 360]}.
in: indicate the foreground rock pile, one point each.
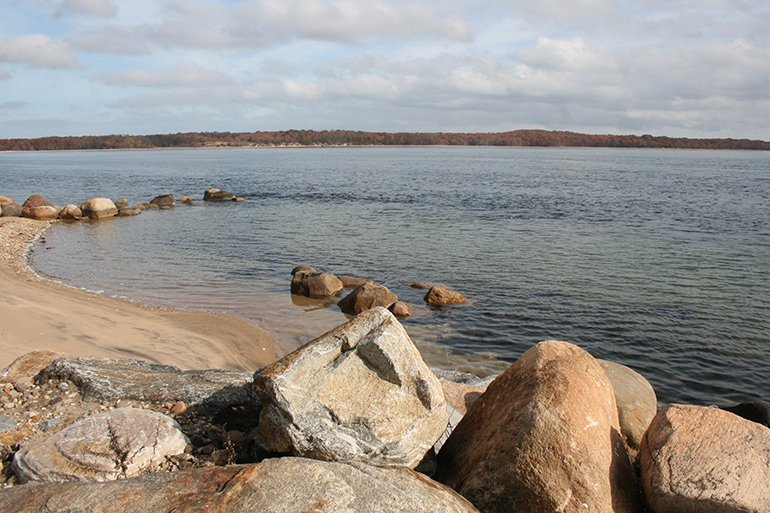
{"type": "Point", "coordinates": [355, 421]}
{"type": "Point", "coordinates": [37, 207]}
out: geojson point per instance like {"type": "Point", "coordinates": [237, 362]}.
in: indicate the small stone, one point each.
{"type": "Point", "coordinates": [23, 384]}
{"type": "Point", "coordinates": [49, 423]}
{"type": "Point", "coordinates": [7, 423]}
{"type": "Point", "coordinates": [8, 406]}
{"type": "Point", "coordinates": [178, 408]}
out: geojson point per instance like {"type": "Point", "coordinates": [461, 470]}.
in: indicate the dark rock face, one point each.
{"type": "Point", "coordinates": [108, 378]}
{"type": "Point", "coordinates": [11, 210]}
{"type": "Point", "coordinates": [369, 295]}
{"type": "Point", "coordinates": [164, 200]}
{"type": "Point", "coordinates": [755, 411]}
{"type": "Point", "coordinates": [289, 485]}
{"type": "Point", "coordinates": [303, 269]}
{"type": "Point", "coordinates": [696, 459]}
{"type": "Point", "coordinates": [360, 392]}
{"type": "Point", "coordinates": [217, 195]}
{"type": "Point", "coordinates": [543, 437]}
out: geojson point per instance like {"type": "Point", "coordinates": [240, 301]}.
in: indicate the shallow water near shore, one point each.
{"type": "Point", "coordinates": [656, 259]}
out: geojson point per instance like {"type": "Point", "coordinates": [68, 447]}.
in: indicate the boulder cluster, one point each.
{"type": "Point", "coordinates": [366, 294]}
{"type": "Point", "coordinates": [355, 421]}
{"type": "Point", "coordinates": [37, 207]}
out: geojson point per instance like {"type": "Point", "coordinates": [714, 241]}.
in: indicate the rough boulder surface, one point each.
{"type": "Point", "coordinates": [369, 295]}
{"type": "Point", "coordinates": [112, 379]}
{"type": "Point", "coordinates": [71, 212]}
{"type": "Point", "coordinates": [111, 445]}
{"type": "Point", "coordinates": [97, 208]}
{"type": "Point", "coordinates": [636, 400]}
{"type": "Point", "coordinates": [36, 200]}
{"type": "Point", "coordinates": [543, 437]}
{"type": "Point", "coordinates": [43, 213]}
{"type": "Point", "coordinates": [360, 392]}
{"type": "Point", "coordinates": [164, 200]}
{"type": "Point", "coordinates": [283, 485]}
{"type": "Point", "coordinates": [696, 459]}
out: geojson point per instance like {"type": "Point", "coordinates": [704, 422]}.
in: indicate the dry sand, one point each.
{"type": "Point", "coordinates": [38, 314]}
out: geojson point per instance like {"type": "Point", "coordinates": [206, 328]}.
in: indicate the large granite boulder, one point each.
{"type": "Point", "coordinates": [636, 401]}
{"type": "Point", "coordinates": [71, 212]}
{"type": "Point", "coordinates": [315, 284]}
{"type": "Point", "coordinates": [36, 200]}
{"type": "Point", "coordinates": [217, 195]}
{"type": "Point", "coordinates": [696, 459]}
{"type": "Point", "coordinates": [369, 295]}
{"type": "Point", "coordinates": [116, 444]}
{"type": "Point", "coordinates": [43, 213]}
{"type": "Point", "coordinates": [112, 379]}
{"type": "Point", "coordinates": [360, 392]}
{"type": "Point", "coordinates": [441, 296]}
{"type": "Point", "coordinates": [98, 208]}
{"type": "Point", "coordinates": [163, 201]}
{"type": "Point", "coordinates": [543, 437]}
{"type": "Point", "coordinates": [282, 485]}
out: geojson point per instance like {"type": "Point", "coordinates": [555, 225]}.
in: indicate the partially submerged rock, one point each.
{"type": "Point", "coordinates": [109, 378]}
{"type": "Point", "coordinates": [71, 212]}
{"type": "Point", "coordinates": [164, 200]}
{"type": "Point", "coordinates": [42, 213]}
{"type": "Point", "coordinates": [369, 295]}
{"type": "Point", "coordinates": [360, 392]}
{"type": "Point", "coordinates": [441, 296]}
{"type": "Point", "coordinates": [315, 284]}
{"type": "Point", "coordinates": [98, 208]}
{"type": "Point", "coordinates": [218, 195]}
{"type": "Point", "coordinates": [129, 211]}
{"type": "Point", "coordinates": [352, 282]}
{"type": "Point", "coordinates": [120, 443]}
{"type": "Point", "coordinates": [288, 485]}
{"type": "Point", "coordinates": [543, 437]}
{"type": "Point", "coordinates": [696, 459]}
{"type": "Point", "coordinates": [755, 411]}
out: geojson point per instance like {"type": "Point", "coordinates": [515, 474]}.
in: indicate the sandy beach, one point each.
{"type": "Point", "coordinates": [38, 314]}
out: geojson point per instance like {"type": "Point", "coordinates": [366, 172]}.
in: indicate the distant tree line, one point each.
{"type": "Point", "coordinates": [358, 138]}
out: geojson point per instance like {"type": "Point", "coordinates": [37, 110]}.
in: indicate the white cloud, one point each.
{"type": "Point", "coordinates": [184, 75]}
{"type": "Point", "coordinates": [98, 8]}
{"type": "Point", "coordinates": [40, 51]}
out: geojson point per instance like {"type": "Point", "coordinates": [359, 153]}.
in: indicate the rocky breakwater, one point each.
{"type": "Point", "coordinates": [37, 207]}
{"type": "Point", "coordinates": [338, 425]}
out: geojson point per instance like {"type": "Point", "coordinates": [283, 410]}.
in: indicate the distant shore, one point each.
{"type": "Point", "coordinates": [38, 314]}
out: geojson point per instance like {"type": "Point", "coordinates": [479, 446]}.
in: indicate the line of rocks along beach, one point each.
{"type": "Point", "coordinates": [352, 421]}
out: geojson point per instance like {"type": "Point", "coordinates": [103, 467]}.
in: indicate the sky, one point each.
{"type": "Point", "coordinates": [681, 68]}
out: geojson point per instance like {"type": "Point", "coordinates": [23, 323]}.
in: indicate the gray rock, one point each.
{"type": "Point", "coordinates": [121, 203]}
{"type": "Point", "coordinates": [360, 392]}
{"type": "Point", "coordinates": [695, 459]}
{"type": "Point", "coordinates": [112, 445]}
{"type": "Point", "coordinates": [112, 379]}
{"type": "Point", "coordinates": [45, 424]}
{"type": "Point", "coordinates": [11, 210]}
{"type": "Point", "coordinates": [164, 200]}
{"type": "Point", "coordinates": [7, 423]}
{"type": "Point", "coordinates": [129, 211]}
{"type": "Point", "coordinates": [285, 485]}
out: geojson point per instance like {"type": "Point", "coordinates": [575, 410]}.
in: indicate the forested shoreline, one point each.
{"type": "Point", "coordinates": [523, 138]}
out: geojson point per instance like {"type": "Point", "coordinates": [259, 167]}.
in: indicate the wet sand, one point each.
{"type": "Point", "coordinates": [37, 314]}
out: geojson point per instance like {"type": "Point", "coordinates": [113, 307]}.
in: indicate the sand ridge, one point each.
{"type": "Point", "coordinates": [36, 313]}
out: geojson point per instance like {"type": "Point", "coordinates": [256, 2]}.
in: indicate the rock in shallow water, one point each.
{"type": "Point", "coordinates": [112, 445]}
{"type": "Point", "coordinates": [360, 392]}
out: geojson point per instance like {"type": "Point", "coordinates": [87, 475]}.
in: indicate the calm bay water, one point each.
{"type": "Point", "coordinates": [656, 259]}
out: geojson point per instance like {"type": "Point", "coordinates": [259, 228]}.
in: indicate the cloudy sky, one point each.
{"type": "Point", "coordinates": [695, 68]}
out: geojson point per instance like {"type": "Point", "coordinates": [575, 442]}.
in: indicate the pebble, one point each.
{"type": "Point", "coordinates": [50, 423]}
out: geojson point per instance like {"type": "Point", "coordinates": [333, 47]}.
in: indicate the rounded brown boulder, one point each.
{"type": "Point", "coordinates": [42, 213]}
{"type": "Point", "coordinates": [71, 212]}
{"type": "Point", "coordinates": [36, 200]}
{"type": "Point", "coordinates": [368, 295]}
{"type": "Point", "coordinates": [441, 296]}
{"type": "Point", "coordinates": [98, 208]}
{"type": "Point", "coordinates": [315, 285]}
